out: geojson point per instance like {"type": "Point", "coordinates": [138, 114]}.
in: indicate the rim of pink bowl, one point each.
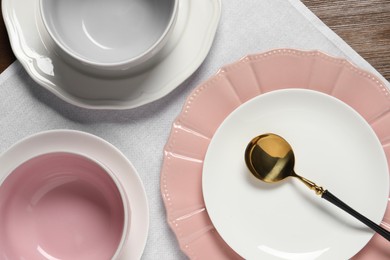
{"type": "Point", "coordinates": [112, 176]}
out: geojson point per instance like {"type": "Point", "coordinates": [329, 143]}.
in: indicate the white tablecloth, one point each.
{"type": "Point", "coordinates": [246, 27]}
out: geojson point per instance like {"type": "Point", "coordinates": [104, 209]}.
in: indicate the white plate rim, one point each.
{"type": "Point", "coordinates": [101, 150]}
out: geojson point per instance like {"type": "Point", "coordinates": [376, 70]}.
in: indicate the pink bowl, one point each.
{"type": "Point", "coordinates": [62, 206]}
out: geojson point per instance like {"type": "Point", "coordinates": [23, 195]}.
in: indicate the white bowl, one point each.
{"type": "Point", "coordinates": [108, 36]}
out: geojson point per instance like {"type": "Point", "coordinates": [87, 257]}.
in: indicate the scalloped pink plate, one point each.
{"type": "Point", "coordinates": [211, 102]}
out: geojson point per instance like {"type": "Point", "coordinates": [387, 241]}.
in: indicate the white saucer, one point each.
{"type": "Point", "coordinates": [188, 46]}
{"type": "Point", "coordinates": [105, 153]}
{"type": "Point", "coordinates": [333, 146]}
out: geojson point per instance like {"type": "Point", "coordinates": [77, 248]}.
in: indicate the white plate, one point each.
{"type": "Point", "coordinates": [104, 152]}
{"type": "Point", "coordinates": [334, 147]}
{"type": "Point", "coordinates": [186, 49]}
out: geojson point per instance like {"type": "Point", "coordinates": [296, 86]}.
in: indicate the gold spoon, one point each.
{"type": "Point", "coordinates": [270, 158]}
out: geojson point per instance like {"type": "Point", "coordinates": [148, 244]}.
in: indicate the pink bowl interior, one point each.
{"type": "Point", "coordinates": [60, 206]}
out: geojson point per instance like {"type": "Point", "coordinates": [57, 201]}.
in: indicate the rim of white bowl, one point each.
{"type": "Point", "coordinates": [127, 63]}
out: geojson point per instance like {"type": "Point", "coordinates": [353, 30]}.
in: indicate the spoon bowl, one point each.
{"type": "Point", "coordinates": [267, 161]}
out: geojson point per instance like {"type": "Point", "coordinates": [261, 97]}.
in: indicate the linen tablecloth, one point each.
{"type": "Point", "coordinates": [246, 27]}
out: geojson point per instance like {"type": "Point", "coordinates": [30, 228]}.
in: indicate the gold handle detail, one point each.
{"type": "Point", "coordinates": [317, 189]}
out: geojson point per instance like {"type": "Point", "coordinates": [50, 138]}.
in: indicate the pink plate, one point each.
{"type": "Point", "coordinates": [211, 102]}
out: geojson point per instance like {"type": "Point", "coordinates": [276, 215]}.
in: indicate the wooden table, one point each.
{"type": "Point", "coordinates": [363, 24]}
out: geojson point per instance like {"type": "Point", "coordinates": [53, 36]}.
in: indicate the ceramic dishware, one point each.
{"type": "Point", "coordinates": [62, 205]}
{"type": "Point", "coordinates": [213, 100]}
{"type": "Point", "coordinates": [336, 147]}
{"type": "Point", "coordinates": [100, 150]}
{"type": "Point", "coordinates": [187, 47]}
{"type": "Point", "coordinates": [109, 36]}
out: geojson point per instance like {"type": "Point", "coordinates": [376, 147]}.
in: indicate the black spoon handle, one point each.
{"type": "Point", "coordinates": [336, 201]}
